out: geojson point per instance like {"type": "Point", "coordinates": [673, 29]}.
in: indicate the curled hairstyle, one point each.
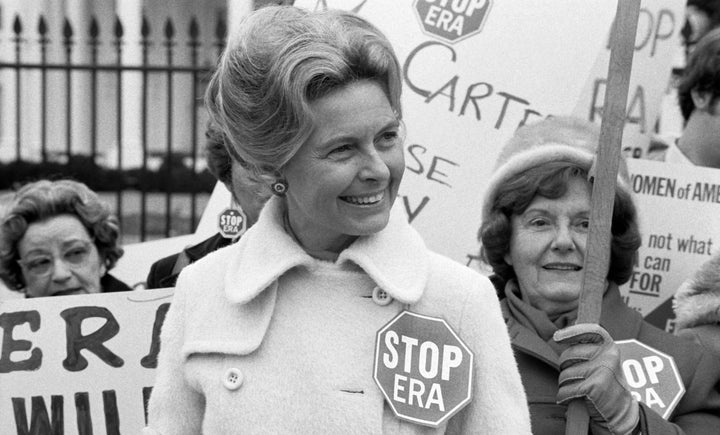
{"type": "Point", "coordinates": [41, 200]}
{"type": "Point", "coordinates": [550, 180]}
{"type": "Point", "coordinates": [701, 74]}
{"type": "Point", "coordinates": [280, 61]}
{"type": "Point", "coordinates": [220, 165]}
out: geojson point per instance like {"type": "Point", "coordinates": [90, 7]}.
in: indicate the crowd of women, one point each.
{"type": "Point", "coordinates": [306, 109]}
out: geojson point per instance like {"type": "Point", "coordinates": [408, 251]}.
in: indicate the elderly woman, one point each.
{"type": "Point", "coordinates": [57, 238]}
{"type": "Point", "coordinates": [534, 232]}
{"type": "Point", "coordinates": [276, 333]}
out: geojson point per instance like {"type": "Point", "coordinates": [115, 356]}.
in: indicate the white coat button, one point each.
{"type": "Point", "coordinates": [380, 297]}
{"type": "Point", "coordinates": [233, 379]}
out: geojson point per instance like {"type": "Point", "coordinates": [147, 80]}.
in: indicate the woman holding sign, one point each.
{"type": "Point", "coordinates": [534, 231]}
{"type": "Point", "coordinates": [277, 333]}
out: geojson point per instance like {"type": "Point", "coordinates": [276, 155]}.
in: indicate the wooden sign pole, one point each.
{"type": "Point", "coordinates": [597, 257]}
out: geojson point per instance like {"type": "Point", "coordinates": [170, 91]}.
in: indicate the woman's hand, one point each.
{"type": "Point", "coordinates": [590, 368]}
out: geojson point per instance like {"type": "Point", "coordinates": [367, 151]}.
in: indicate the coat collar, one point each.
{"type": "Point", "coordinates": [395, 258]}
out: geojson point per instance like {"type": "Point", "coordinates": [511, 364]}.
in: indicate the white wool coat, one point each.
{"type": "Point", "coordinates": [263, 338]}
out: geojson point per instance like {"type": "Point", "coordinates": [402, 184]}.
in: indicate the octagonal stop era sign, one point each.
{"type": "Point", "coordinates": [232, 223]}
{"type": "Point", "coordinates": [451, 20]}
{"type": "Point", "coordinates": [652, 376]}
{"type": "Point", "coordinates": [423, 368]}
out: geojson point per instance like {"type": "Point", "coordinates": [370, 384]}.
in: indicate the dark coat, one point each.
{"type": "Point", "coordinates": [698, 412]}
{"type": "Point", "coordinates": [164, 272]}
{"type": "Point", "coordinates": [110, 284]}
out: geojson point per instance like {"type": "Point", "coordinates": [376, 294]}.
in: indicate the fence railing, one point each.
{"type": "Point", "coordinates": [126, 119]}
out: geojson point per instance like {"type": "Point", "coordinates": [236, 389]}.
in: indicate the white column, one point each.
{"type": "Point", "coordinates": [130, 15]}
{"type": "Point", "coordinates": [79, 14]}
{"type": "Point", "coordinates": [56, 93]}
{"type": "Point", "coordinates": [8, 100]}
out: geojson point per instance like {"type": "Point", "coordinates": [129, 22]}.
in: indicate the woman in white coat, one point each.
{"type": "Point", "coordinates": [276, 334]}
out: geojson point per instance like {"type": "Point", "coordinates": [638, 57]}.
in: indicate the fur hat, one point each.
{"type": "Point", "coordinates": [697, 301]}
{"type": "Point", "coordinates": [553, 139]}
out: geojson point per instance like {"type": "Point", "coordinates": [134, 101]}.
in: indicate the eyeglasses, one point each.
{"type": "Point", "coordinates": [74, 255]}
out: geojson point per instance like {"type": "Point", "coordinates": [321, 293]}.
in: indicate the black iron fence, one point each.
{"type": "Point", "coordinates": [158, 186]}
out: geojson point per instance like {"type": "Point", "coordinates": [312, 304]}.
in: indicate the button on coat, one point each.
{"type": "Point", "coordinates": [381, 297]}
{"type": "Point", "coordinates": [233, 379]}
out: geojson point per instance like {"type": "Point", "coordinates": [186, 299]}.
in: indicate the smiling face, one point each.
{"type": "Point", "coordinates": [343, 181]}
{"type": "Point", "coordinates": [58, 257]}
{"type": "Point", "coordinates": [547, 248]}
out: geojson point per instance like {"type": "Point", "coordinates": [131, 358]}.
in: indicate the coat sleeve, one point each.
{"type": "Point", "coordinates": [175, 407]}
{"type": "Point", "coordinates": [499, 403]}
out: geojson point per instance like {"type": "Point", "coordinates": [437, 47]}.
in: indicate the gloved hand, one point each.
{"type": "Point", "coordinates": [591, 368]}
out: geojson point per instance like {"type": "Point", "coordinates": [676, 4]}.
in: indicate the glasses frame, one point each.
{"type": "Point", "coordinates": [87, 244]}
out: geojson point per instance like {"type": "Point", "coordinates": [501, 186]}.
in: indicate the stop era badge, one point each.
{"type": "Point", "coordinates": [652, 376]}
{"type": "Point", "coordinates": [423, 368]}
{"type": "Point", "coordinates": [232, 222]}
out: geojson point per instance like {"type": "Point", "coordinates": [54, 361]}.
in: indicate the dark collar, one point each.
{"type": "Point", "coordinates": [110, 284]}
{"type": "Point", "coordinates": [192, 254]}
{"type": "Point", "coordinates": [207, 246]}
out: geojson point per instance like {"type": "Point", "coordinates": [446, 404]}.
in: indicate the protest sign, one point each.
{"type": "Point", "coordinates": [423, 368]}
{"type": "Point", "coordinates": [652, 376]}
{"type": "Point", "coordinates": [677, 206]}
{"type": "Point", "coordinates": [656, 44]}
{"type": "Point", "coordinates": [79, 364]}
